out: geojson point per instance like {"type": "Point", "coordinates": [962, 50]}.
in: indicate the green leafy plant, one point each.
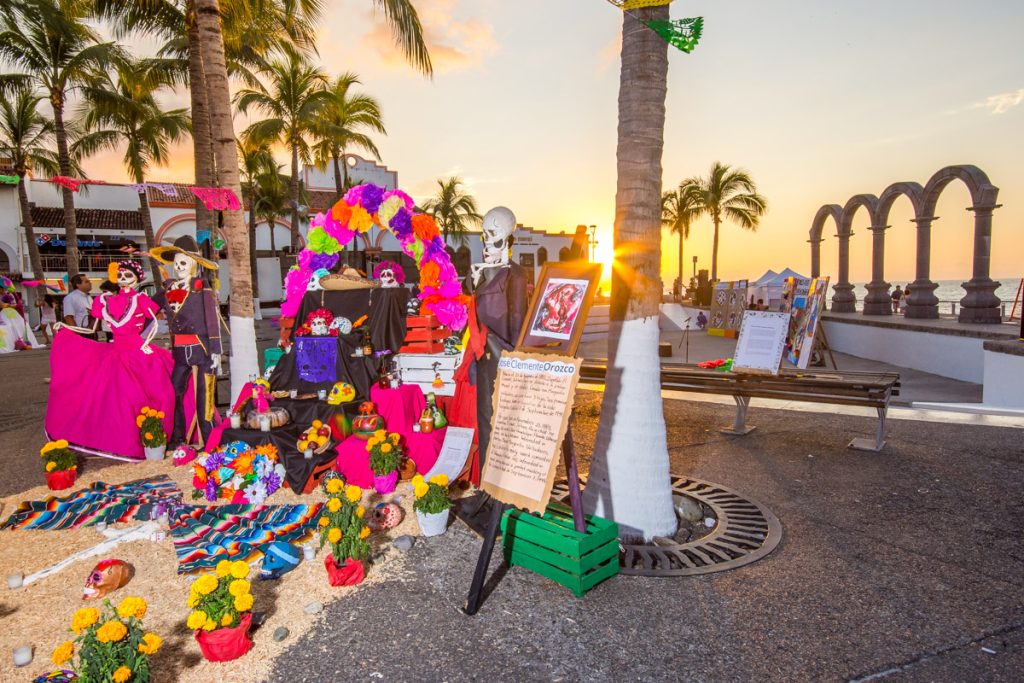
{"type": "Point", "coordinates": [342, 524]}
{"type": "Point", "coordinates": [58, 457]}
{"type": "Point", "coordinates": [112, 645]}
{"type": "Point", "coordinates": [385, 452]}
{"type": "Point", "coordinates": [218, 600]}
{"type": "Point", "coordinates": [151, 427]}
{"type": "Point", "coordinates": [431, 494]}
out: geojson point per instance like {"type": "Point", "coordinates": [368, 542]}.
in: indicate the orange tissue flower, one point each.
{"type": "Point", "coordinates": [424, 227]}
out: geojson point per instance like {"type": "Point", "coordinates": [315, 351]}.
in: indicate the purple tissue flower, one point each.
{"type": "Point", "coordinates": [273, 481]}
{"type": "Point", "coordinates": [373, 196]}
{"type": "Point", "coordinates": [401, 224]}
{"type": "Point", "coordinates": [211, 490]}
{"type": "Point", "coordinates": [325, 261]}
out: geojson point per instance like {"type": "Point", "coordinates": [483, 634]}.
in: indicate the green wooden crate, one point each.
{"type": "Point", "coordinates": [551, 547]}
{"type": "Point", "coordinates": [271, 356]}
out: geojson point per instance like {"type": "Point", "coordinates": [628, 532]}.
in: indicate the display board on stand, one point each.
{"type": "Point", "coordinates": [806, 324]}
{"type": "Point", "coordinates": [728, 302]}
{"type": "Point", "coordinates": [761, 343]}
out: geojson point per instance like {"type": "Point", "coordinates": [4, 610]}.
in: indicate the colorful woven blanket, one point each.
{"type": "Point", "coordinates": [203, 536]}
{"type": "Point", "coordinates": [110, 503]}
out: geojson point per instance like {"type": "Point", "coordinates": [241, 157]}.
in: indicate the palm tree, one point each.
{"type": "Point", "coordinates": [675, 215]}
{"type": "Point", "coordinates": [453, 209]}
{"type": "Point", "coordinates": [120, 108]}
{"type": "Point", "coordinates": [341, 124]}
{"type": "Point", "coordinates": [629, 478]}
{"type": "Point", "coordinates": [55, 50]}
{"type": "Point", "coordinates": [293, 104]}
{"type": "Point", "coordinates": [272, 199]}
{"type": "Point", "coordinates": [725, 192]}
{"type": "Point", "coordinates": [254, 161]}
{"type": "Point", "coordinates": [26, 139]}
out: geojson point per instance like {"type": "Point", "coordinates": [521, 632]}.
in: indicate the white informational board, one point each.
{"type": "Point", "coordinates": [762, 342]}
{"type": "Point", "coordinates": [454, 453]}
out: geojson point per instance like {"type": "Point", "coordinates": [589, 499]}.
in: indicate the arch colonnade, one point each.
{"type": "Point", "coordinates": [979, 304]}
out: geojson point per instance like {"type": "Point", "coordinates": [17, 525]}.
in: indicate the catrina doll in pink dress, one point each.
{"type": "Point", "coordinates": [97, 390]}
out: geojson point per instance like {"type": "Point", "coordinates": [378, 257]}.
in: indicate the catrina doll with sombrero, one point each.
{"type": "Point", "coordinates": [193, 321]}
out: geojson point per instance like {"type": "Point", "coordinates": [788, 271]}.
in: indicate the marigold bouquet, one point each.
{"type": "Point", "coordinates": [342, 524]}
{"type": "Point", "coordinates": [219, 600]}
{"type": "Point", "coordinates": [431, 494]}
{"type": "Point", "coordinates": [112, 645]}
{"type": "Point", "coordinates": [151, 427]}
{"type": "Point", "coordinates": [385, 452]}
{"type": "Point", "coordinates": [58, 457]}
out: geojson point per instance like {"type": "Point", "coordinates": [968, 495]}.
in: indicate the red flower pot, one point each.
{"type": "Point", "coordinates": [348, 574]}
{"type": "Point", "coordinates": [225, 644]}
{"type": "Point", "coordinates": [61, 479]}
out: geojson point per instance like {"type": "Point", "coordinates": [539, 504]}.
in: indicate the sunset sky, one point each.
{"type": "Point", "coordinates": [819, 101]}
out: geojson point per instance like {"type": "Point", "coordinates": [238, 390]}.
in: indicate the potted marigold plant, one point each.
{"type": "Point", "coordinates": [151, 429]}
{"type": "Point", "coordinates": [385, 457]}
{"type": "Point", "coordinates": [432, 504]}
{"type": "Point", "coordinates": [343, 528]}
{"type": "Point", "coordinates": [111, 645]}
{"type": "Point", "coordinates": [221, 616]}
{"type": "Point", "coordinates": [60, 463]}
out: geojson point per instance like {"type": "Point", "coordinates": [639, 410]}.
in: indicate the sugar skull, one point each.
{"type": "Point", "coordinates": [341, 325]}
{"type": "Point", "coordinates": [279, 558]}
{"type": "Point", "coordinates": [385, 516]}
{"type": "Point", "coordinates": [318, 324]}
{"type": "Point", "coordinates": [127, 274]}
{"type": "Point", "coordinates": [451, 345]}
{"type": "Point", "coordinates": [497, 227]}
{"type": "Point", "coordinates": [342, 392]}
{"type": "Point", "coordinates": [413, 307]}
{"type": "Point", "coordinates": [314, 280]}
{"type": "Point", "coordinates": [107, 576]}
{"type": "Point", "coordinates": [389, 274]}
{"type": "Point", "coordinates": [183, 455]}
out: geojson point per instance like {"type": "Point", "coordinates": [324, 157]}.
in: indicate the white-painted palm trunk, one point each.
{"type": "Point", "coordinates": [244, 357]}
{"type": "Point", "coordinates": [629, 477]}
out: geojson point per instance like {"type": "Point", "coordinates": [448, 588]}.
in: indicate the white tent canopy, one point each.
{"type": "Point", "coordinates": [768, 288]}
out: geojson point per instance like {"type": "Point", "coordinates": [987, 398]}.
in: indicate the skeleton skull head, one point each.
{"type": "Point", "coordinates": [387, 278]}
{"type": "Point", "coordinates": [107, 576]}
{"type": "Point", "coordinates": [185, 267]}
{"type": "Point", "coordinates": [314, 280]}
{"type": "Point", "coordinates": [498, 225]}
{"type": "Point", "coordinates": [342, 324]}
{"type": "Point", "coordinates": [129, 274]}
{"type": "Point", "coordinates": [319, 327]}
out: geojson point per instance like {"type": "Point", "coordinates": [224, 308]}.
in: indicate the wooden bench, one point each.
{"type": "Point", "coordinates": [869, 389]}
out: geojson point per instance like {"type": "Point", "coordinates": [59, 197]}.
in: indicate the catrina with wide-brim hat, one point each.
{"type": "Point", "coordinates": [186, 244]}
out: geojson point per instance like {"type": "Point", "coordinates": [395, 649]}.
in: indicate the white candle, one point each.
{"type": "Point", "coordinates": [15, 580]}
{"type": "Point", "coordinates": [236, 420]}
{"type": "Point", "coordinates": [264, 423]}
{"type": "Point", "coordinates": [321, 394]}
{"type": "Point", "coordinates": [22, 655]}
{"type": "Point", "coordinates": [308, 454]}
{"type": "Point", "coordinates": [293, 393]}
{"type": "Point", "coordinates": [101, 526]}
{"type": "Point", "coordinates": [309, 552]}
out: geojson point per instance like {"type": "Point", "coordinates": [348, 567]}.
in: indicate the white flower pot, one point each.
{"type": "Point", "coordinates": [434, 524]}
{"type": "Point", "coordinates": [156, 452]}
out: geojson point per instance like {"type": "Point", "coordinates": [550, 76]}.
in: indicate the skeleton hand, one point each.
{"type": "Point", "coordinates": [215, 362]}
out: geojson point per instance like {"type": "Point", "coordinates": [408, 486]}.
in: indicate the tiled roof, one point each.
{"type": "Point", "coordinates": [184, 199]}
{"type": "Point", "coordinates": [320, 200]}
{"type": "Point", "coordinates": [87, 219]}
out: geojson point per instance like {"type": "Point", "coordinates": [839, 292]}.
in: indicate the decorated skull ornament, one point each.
{"type": "Point", "coordinates": [342, 392]}
{"type": "Point", "coordinates": [314, 280]}
{"type": "Point", "coordinates": [107, 576]}
{"type": "Point", "coordinates": [385, 516]}
{"type": "Point", "coordinates": [279, 559]}
{"type": "Point", "coordinates": [341, 324]}
{"type": "Point", "coordinates": [389, 274]}
{"type": "Point", "coordinates": [497, 227]}
{"type": "Point", "coordinates": [183, 455]}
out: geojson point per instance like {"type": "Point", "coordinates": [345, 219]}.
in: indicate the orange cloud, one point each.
{"type": "Point", "coordinates": [453, 44]}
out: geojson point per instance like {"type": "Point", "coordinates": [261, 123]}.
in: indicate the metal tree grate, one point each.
{"type": "Point", "coordinates": [746, 532]}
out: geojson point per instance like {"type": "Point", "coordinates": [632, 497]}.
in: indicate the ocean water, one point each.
{"type": "Point", "coordinates": [949, 291]}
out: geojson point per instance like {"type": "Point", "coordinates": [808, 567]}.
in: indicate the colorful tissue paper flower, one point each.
{"type": "Point", "coordinates": [429, 273]}
{"type": "Point", "coordinates": [323, 262]}
{"type": "Point", "coordinates": [341, 212]}
{"type": "Point", "coordinates": [406, 199]}
{"type": "Point", "coordinates": [372, 197]}
{"type": "Point", "coordinates": [361, 220]}
{"type": "Point", "coordinates": [295, 284]}
{"type": "Point", "coordinates": [401, 224]}
{"type": "Point", "coordinates": [320, 242]}
{"type": "Point", "coordinates": [354, 195]}
{"type": "Point", "coordinates": [424, 227]}
{"type": "Point", "coordinates": [449, 313]}
{"type": "Point", "coordinates": [388, 210]}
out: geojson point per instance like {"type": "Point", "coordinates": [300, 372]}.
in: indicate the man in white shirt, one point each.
{"type": "Point", "coordinates": [78, 303]}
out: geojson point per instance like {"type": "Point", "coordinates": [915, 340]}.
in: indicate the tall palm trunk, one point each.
{"type": "Point", "coordinates": [202, 143]}
{"type": "Point", "coordinates": [271, 224]}
{"type": "Point", "coordinates": [35, 260]}
{"type": "Point", "coordinates": [252, 245]}
{"type": "Point", "coordinates": [147, 230]}
{"type": "Point", "coordinates": [64, 159]}
{"type": "Point", "coordinates": [714, 248]}
{"type": "Point", "coordinates": [629, 478]}
{"type": "Point", "coordinates": [244, 360]}
{"type": "Point", "coordinates": [681, 288]}
{"type": "Point", "coordinates": [338, 186]}
{"type": "Point", "coordinates": [295, 198]}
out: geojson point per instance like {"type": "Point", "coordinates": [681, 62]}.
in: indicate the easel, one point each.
{"type": "Point", "coordinates": [821, 344]}
{"type": "Point", "coordinates": [475, 596]}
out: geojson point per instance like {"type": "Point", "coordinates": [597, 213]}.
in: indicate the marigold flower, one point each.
{"type": "Point", "coordinates": [360, 511]}
{"type": "Point", "coordinates": [420, 489]}
{"type": "Point", "coordinates": [223, 568]}
{"type": "Point", "coordinates": [63, 652]}
{"type": "Point", "coordinates": [334, 504]}
{"type": "Point", "coordinates": [239, 569]}
{"type": "Point", "coordinates": [205, 584]}
{"type": "Point", "coordinates": [192, 601]}
{"type": "Point", "coordinates": [364, 532]}
{"type": "Point", "coordinates": [84, 618]}
{"type": "Point", "coordinates": [150, 644]}
{"type": "Point", "coordinates": [209, 625]}
{"type": "Point", "coordinates": [227, 619]}
{"type": "Point", "coordinates": [121, 674]}
{"type": "Point", "coordinates": [324, 521]}
{"type": "Point", "coordinates": [61, 443]}
{"type": "Point", "coordinates": [439, 479]}
{"type": "Point", "coordinates": [334, 535]}
{"type": "Point", "coordinates": [386, 448]}
{"type": "Point", "coordinates": [148, 435]}
{"type": "Point", "coordinates": [139, 420]}
{"type": "Point", "coordinates": [239, 587]}
{"type": "Point", "coordinates": [51, 466]}
{"type": "Point", "coordinates": [334, 486]}
{"type": "Point", "coordinates": [243, 603]}
{"type": "Point", "coordinates": [380, 434]}
{"type": "Point", "coordinates": [132, 607]}
{"type": "Point", "coordinates": [196, 620]}
{"type": "Point", "coordinates": [111, 632]}
{"type": "Point", "coordinates": [353, 493]}
{"type": "Point", "coordinates": [417, 479]}
{"type": "Point", "coordinates": [395, 437]}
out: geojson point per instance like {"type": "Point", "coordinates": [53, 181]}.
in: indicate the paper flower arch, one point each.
{"type": "Point", "coordinates": [361, 208]}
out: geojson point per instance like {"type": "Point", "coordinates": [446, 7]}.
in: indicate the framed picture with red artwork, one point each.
{"type": "Point", "coordinates": [559, 307]}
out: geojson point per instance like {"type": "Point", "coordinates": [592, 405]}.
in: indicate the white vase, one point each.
{"type": "Point", "coordinates": [155, 452]}
{"type": "Point", "coordinates": [433, 524]}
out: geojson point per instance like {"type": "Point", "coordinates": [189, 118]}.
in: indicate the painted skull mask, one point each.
{"type": "Point", "coordinates": [314, 280]}
{"type": "Point", "coordinates": [107, 576]}
{"type": "Point", "coordinates": [279, 559]}
{"type": "Point", "coordinates": [183, 455]}
{"type": "Point", "coordinates": [342, 392]}
{"type": "Point", "coordinates": [385, 516]}
{"type": "Point", "coordinates": [342, 324]}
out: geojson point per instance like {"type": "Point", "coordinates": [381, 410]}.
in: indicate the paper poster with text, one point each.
{"type": "Point", "coordinates": [533, 398]}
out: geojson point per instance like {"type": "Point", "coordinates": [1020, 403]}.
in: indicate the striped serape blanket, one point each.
{"type": "Point", "coordinates": [205, 535]}
{"type": "Point", "coordinates": [110, 503]}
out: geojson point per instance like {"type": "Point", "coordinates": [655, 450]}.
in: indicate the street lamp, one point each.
{"type": "Point", "coordinates": [695, 266]}
{"type": "Point", "coordinates": [593, 242]}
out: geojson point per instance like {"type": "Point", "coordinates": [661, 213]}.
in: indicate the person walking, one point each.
{"type": "Point", "coordinates": [903, 300]}
{"type": "Point", "coordinates": [78, 303]}
{"type": "Point", "coordinates": [897, 294]}
{"type": "Point", "coordinates": [47, 316]}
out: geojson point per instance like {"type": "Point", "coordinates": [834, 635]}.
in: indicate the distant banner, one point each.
{"type": "Point", "coordinates": [637, 4]}
{"type": "Point", "coordinates": [217, 198]}
{"type": "Point", "coordinates": [166, 188]}
{"type": "Point", "coordinates": [74, 184]}
{"type": "Point", "coordinates": [9, 180]}
{"type": "Point", "coordinates": [682, 34]}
